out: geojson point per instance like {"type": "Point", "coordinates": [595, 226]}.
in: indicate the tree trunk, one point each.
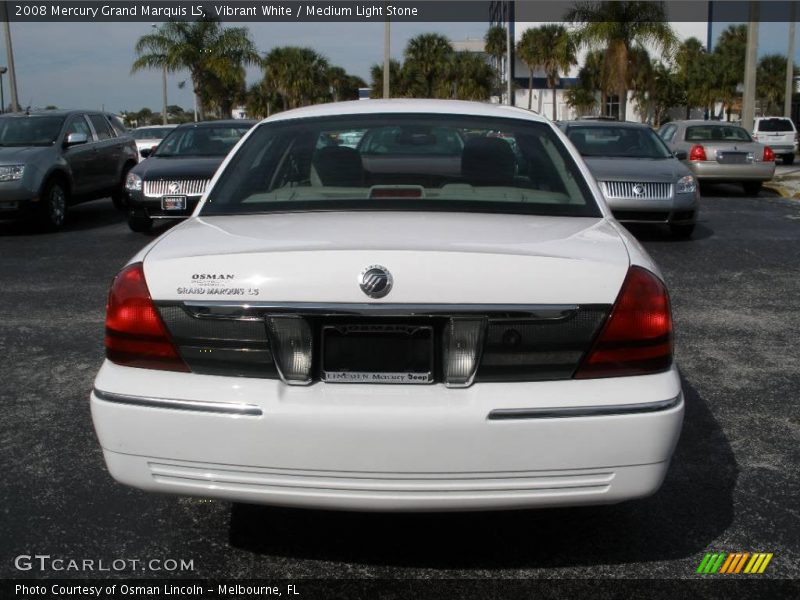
{"type": "Point", "coordinates": [201, 111]}
{"type": "Point", "coordinates": [688, 112]}
{"type": "Point", "coordinates": [530, 89]}
{"type": "Point", "coordinates": [603, 103]}
{"type": "Point", "coordinates": [622, 93]}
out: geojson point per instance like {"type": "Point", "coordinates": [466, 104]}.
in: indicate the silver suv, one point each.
{"type": "Point", "coordinates": [52, 159]}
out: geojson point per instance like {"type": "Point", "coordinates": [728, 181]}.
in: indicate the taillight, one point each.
{"type": "Point", "coordinates": [637, 337]}
{"type": "Point", "coordinates": [697, 153]}
{"type": "Point", "coordinates": [769, 155]}
{"type": "Point", "coordinates": [135, 334]}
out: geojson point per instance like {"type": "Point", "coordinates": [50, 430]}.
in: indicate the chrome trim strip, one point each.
{"type": "Point", "coordinates": [540, 312]}
{"type": "Point", "coordinates": [583, 411]}
{"type": "Point", "coordinates": [226, 408]}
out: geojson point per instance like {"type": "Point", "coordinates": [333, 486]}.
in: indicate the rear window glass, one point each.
{"type": "Point", "coordinates": [775, 125]}
{"type": "Point", "coordinates": [721, 133]}
{"type": "Point", "coordinates": [403, 162]}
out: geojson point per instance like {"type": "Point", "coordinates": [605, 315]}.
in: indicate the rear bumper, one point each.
{"type": "Point", "coordinates": [714, 171]}
{"type": "Point", "coordinates": [783, 148]}
{"type": "Point", "coordinates": [371, 447]}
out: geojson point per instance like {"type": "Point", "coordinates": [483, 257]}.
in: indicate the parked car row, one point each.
{"type": "Point", "coordinates": [53, 159]}
{"type": "Point", "coordinates": [169, 184]}
{"type": "Point", "coordinates": [58, 158]}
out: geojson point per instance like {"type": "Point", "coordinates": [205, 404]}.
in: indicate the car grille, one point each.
{"type": "Point", "coordinates": [520, 344]}
{"type": "Point", "coordinates": [185, 187]}
{"type": "Point", "coordinates": [633, 190]}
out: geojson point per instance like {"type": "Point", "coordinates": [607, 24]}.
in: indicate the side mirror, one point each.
{"type": "Point", "coordinates": [75, 139]}
{"type": "Point", "coordinates": [680, 154]}
{"type": "Point", "coordinates": [145, 152]}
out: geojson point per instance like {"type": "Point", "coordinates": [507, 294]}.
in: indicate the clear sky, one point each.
{"type": "Point", "coordinates": [87, 65]}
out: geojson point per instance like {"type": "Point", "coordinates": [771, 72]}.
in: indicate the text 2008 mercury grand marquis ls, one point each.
{"type": "Point", "coordinates": [393, 305]}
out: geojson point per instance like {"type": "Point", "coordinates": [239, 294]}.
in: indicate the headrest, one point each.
{"type": "Point", "coordinates": [488, 161]}
{"type": "Point", "coordinates": [339, 166]}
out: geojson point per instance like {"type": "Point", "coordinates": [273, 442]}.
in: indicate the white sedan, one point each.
{"type": "Point", "coordinates": [320, 334]}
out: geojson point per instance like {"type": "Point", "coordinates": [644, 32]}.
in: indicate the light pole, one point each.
{"type": "Point", "coordinates": [164, 119]}
{"type": "Point", "coordinates": [12, 74]}
{"type": "Point", "coordinates": [749, 94]}
{"type": "Point", "coordinates": [387, 58]}
{"type": "Point", "coordinates": [789, 92]}
{"type": "Point", "coordinates": [3, 71]}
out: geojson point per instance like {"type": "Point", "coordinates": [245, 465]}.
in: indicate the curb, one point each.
{"type": "Point", "coordinates": [781, 190]}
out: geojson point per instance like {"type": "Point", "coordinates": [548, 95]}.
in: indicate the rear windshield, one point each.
{"type": "Point", "coordinates": [616, 141]}
{"type": "Point", "coordinates": [717, 133]}
{"type": "Point", "coordinates": [403, 162]}
{"type": "Point", "coordinates": [152, 133]}
{"type": "Point", "coordinates": [775, 125]}
{"type": "Point", "coordinates": [200, 141]}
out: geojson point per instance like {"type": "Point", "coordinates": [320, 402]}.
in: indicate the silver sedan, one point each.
{"type": "Point", "coordinates": [641, 179]}
{"type": "Point", "coordinates": [717, 151]}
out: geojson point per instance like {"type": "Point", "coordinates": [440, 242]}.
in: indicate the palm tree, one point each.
{"type": "Point", "coordinates": [396, 81]}
{"type": "Point", "coordinates": [470, 77]}
{"type": "Point", "coordinates": [427, 57]}
{"type": "Point", "coordinates": [618, 27]}
{"type": "Point", "coordinates": [496, 46]}
{"type": "Point", "coordinates": [551, 48]}
{"type": "Point", "coordinates": [337, 80]}
{"type": "Point", "coordinates": [207, 50]}
{"type": "Point", "coordinates": [691, 60]}
{"type": "Point", "coordinates": [298, 75]}
{"type": "Point", "coordinates": [728, 65]}
{"type": "Point", "coordinates": [771, 85]}
{"type": "Point", "coordinates": [528, 50]}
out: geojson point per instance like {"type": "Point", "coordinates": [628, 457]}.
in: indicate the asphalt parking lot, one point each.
{"type": "Point", "coordinates": [733, 484]}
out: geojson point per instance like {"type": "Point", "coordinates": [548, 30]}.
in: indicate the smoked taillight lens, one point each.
{"type": "Point", "coordinates": [135, 334]}
{"type": "Point", "coordinates": [769, 155]}
{"type": "Point", "coordinates": [637, 337]}
{"type": "Point", "coordinates": [697, 153]}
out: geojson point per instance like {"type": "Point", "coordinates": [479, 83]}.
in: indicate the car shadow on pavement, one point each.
{"type": "Point", "coordinates": [89, 215]}
{"type": "Point", "coordinates": [732, 190]}
{"type": "Point", "coordinates": [693, 508]}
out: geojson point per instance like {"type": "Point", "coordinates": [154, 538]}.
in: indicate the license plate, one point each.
{"type": "Point", "coordinates": [383, 353]}
{"type": "Point", "coordinates": [173, 203]}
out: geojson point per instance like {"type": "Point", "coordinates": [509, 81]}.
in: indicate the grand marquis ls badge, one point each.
{"type": "Point", "coordinates": [174, 187]}
{"type": "Point", "coordinates": [375, 281]}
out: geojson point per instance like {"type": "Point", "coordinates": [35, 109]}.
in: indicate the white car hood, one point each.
{"type": "Point", "coordinates": [433, 258]}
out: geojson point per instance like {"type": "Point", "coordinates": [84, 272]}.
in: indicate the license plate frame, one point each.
{"type": "Point", "coordinates": [393, 334]}
{"type": "Point", "coordinates": [171, 203]}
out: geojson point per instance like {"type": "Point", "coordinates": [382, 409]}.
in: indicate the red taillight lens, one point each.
{"type": "Point", "coordinates": [697, 153]}
{"type": "Point", "coordinates": [135, 334]}
{"type": "Point", "coordinates": [769, 155]}
{"type": "Point", "coordinates": [637, 338]}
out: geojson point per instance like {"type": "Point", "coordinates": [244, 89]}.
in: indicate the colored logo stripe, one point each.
{"type": "Point", "coordinates": [734, 563]}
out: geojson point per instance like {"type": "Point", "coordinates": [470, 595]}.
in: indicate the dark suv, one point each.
{"type": "Point", "coordinates": [52, 159]}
